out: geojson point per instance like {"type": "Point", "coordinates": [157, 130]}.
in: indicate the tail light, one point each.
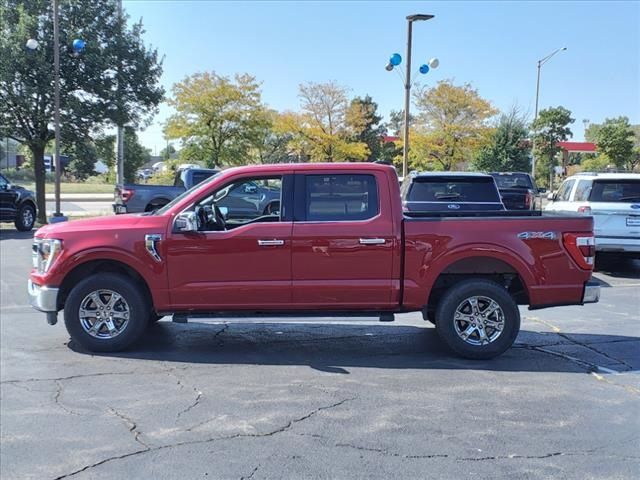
{"type": "Point", "coordinates": [527, 200]}
{"type": "Point", "coordinates": [584, 210]}
{"type": "Point", "coordinates": [126, 194]}
{"type": "Point", "coordinates": [582, 248]}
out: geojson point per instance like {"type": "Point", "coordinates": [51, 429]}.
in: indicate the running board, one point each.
{"type": "Point", "coordinates": [184, 317]}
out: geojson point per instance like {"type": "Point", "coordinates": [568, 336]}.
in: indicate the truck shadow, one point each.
{"type": "Point", "coordinates": [337, 348]}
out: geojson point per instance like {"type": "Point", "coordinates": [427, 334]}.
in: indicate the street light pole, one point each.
{"type": "Point", "coordinates": [407, 89]}
{"type": "Point", "coordinates": [56, 112]}
{"type": "Point", "coordinates": [541, 62]}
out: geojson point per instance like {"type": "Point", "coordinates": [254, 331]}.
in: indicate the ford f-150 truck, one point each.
{"type": "Point", "coordinates": [340, 244]}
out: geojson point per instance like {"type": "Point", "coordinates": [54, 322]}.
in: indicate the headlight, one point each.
{"type": "Point", "coordinates": [44, 252]}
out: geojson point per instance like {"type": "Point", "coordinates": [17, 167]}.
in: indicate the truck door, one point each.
{"type": "Point", "coordinates": [245, 265]}
{"type": "Point", "coordinates": [343, 242]}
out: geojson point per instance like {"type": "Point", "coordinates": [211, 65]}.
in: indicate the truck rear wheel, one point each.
{"type": "Point", "coordinates": [478, 319]}
{"type": "Point", "coordinates": [25, 217]}
{"type": "Point", "coordinates": [106, 313]}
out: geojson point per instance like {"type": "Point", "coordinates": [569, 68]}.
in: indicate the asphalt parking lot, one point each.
{"type": "Point", "coordinates": [322, 398]}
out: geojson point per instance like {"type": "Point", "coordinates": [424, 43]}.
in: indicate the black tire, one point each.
{"type": "Point", "coordinates": [458, 297]}
{"type": "Point", "coordinates": [25, 217]}
{"type": "Point", "coordinates": [138, 312]}
{"type": "Point", "coordinates": [156, 205]}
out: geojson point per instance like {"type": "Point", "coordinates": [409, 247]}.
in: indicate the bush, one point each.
{"type": "Point", "coordinates": [25, 175]}
{"type": "Point", "coordinates": [162, 178]}
{"type": "Point", "coordinates": [598, 164]}
{"type": "Point", "coordinates": [97, 179]}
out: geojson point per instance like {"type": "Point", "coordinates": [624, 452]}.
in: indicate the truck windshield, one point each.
{"type": "Point", "coordinates": [468, 189]}
{"type": "Point", "coordinates": [625, 191]}
{"type": "Point", "coordinates": [512, 180]}
{"type": "Point", "coordinates": [179, 198]}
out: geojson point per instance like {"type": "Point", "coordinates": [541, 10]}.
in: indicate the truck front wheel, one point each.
{"type": "Point", "coordinates": [106, 312]}
{"type": "Point", "coordinates": [478, 319]}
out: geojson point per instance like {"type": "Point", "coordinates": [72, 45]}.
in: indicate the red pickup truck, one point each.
{"type": "Point", "coordinates": [338, 243]}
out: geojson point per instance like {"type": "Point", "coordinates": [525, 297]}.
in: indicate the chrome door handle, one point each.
{"type": "Point", "coordinates": [270, 243]}
{"type": "Point", "coordinates": [372, 241]}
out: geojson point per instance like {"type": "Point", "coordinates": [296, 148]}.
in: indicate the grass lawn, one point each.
{"type": "Point", "coordinates": [74, 187]}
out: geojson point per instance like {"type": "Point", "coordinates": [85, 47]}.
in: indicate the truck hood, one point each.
{"type": "Point", "coordinates": [112, 223]}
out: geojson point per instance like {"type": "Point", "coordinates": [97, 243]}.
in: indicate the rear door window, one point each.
{"type": "Point", "coordinates": [582, 191]}
{"type": "Point", "coordinates": [620, 191]}
{"type": "Point", "coordinates": [342, 197]}
{"type": "Point", "coordinates": [448, 189]}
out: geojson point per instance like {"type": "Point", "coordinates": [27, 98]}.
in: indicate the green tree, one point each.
{"type": "Point", "coordinates": [395, 125]}
{"type": "Point", "coordinates": [167, 152]}
{"type": "Point", "coordinates": [135, 155]}
{"type": "Point", "coordinates": [94, 91]}
{"type": "Point", "coordinates": [84, 156]}
{"type": "Point", "coordinates": [321, 129]}
{"type": "Point", "coordinates": [363, 123]}
{"type": "Point", "coordinates": [615, 138]}
{"type": "Point", "coordinates": [219, 120]}
{"type": "Point", "coordinates": [551, 127]}
{"type": "Point", "coordinates": [272, 142]}
{"type": "Point", "coordinates": [451, 125]}
{"type": "Point", "coordinates": [509, 149]}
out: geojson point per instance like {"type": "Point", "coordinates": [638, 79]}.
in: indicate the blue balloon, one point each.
{"type": "Point", "coordinates": [78, 45]}
{"type": "Point", "coordinates": [395, 59]}
{"type": "Point", "coordinates": [424, 68]}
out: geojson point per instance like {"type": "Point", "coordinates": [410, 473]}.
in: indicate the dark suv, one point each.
{"type": "Point", "coordinates": [450, 192]}
{"type": "Point", "coordinates": [17, 205]}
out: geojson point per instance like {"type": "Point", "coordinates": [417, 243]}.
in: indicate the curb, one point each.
{"type": "Point", "coordinates": [80, 197]}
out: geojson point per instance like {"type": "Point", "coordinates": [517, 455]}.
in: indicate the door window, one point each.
{"type": "Point", "coordinates": [583, 189]}
{"type": "Point", "coordinates": [565, 191]}
{"type": "Point", "coordinates": [247, 200]}
{"type": "Point", "coordinates": [343, 197]}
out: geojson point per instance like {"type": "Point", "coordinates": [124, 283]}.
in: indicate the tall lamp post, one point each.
{"type": "Point", "coordinates": [541, 62]}
{"type": "Point", "coordinates": [78, 46]}
{"type": "Point", "coordinates": [394, 61]}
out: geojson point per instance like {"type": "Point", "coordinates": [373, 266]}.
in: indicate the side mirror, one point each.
{"type": "Point", "coordinates": [542, 190]}
{"type": "Point", "coordinates": [186, 222]}
{"type": "Point", "coordinates": [250, 189]}
{"type": "Point", "coordinates": [551, 197]}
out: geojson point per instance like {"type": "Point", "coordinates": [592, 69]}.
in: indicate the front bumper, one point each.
{"type": "Point", "coordinates": [591, 292]}
{"type": "Point", "coordinates": [44, 299]}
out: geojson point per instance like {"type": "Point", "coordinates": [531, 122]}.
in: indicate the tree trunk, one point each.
{"type": "Point", "coordinates": [38, 165]}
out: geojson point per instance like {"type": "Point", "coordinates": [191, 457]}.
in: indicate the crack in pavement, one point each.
{"type": "Point", "coordinates": [251, 474]}
{"type": "Point", "coordinates": [284, 428]}
{"type": "Point", "coordinates": [71, 377]}
{"type": "Point", "coordinates": [557, 331]}
{"type": "Point", "coordinates": [591, 368]}
{"type": "Point", "coordinates": [133, 426]}
{"type": "Point", "coordinates": [58, 402]}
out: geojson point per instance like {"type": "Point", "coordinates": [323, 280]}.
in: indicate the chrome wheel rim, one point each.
{"type": "Point", "coordinates": [104, 314]}
{"type": "Point", "coordinates": [27, 217]}
{"type": "Point", "coordinates": [479, 320]}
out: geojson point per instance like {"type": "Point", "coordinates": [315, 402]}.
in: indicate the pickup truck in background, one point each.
{"type": "Point", "coordinates": [450, 191]}
{"type": "Point", "coordinates": [338, 244]}
{"type": "Point", "coordinates": [17, 205]}
{"type": "Point", "coordinates": [518, 190]}
{"type": "Point", "coordinates": [136, 198]}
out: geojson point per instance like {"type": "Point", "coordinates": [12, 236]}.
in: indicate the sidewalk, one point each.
{"type": "Point", "coordinates": [81, 197]}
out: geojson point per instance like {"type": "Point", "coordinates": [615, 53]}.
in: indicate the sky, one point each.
{"type": "Point", "coordinates": [494, 46]}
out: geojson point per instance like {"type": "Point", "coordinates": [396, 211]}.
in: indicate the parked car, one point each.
{"type": "Point", "coordinates": [144, 174]}
{"type": "Point", "coordinates": [17, 205]}
{"type": "Point", "coordinates": [340, 245]}
{"type": "Point", "coordinates": [613, 199]}
{"type": "Point", "coordinates": [136, 198]}
{"type": "Point", "coordinates": [518, 190]}
{"type": "Point", "coordinates": [450, 191]}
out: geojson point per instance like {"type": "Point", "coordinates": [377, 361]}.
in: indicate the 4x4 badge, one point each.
{"type": "Point", "coordinates": [538, 235]}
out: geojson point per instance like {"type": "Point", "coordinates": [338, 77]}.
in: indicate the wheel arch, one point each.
{"type": "Point", "coordinates": [91, 267]}
{"type": "Point", "coordinates": [503, 271]}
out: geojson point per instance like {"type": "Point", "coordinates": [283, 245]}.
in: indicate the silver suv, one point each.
{"type": "Point", "coordinates": [613, 199]}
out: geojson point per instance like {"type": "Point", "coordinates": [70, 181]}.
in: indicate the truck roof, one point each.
{"type": "Point", "coordinates": [363, 166]}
